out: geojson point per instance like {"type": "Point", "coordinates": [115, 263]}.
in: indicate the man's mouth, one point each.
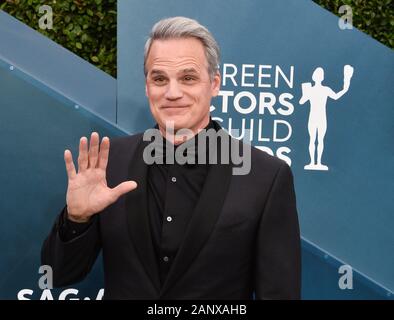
{"type": "Point", "coordinates": [175, 107]}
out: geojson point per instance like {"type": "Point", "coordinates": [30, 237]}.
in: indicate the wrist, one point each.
{"type": "Point", "coordinates": [77, 218]}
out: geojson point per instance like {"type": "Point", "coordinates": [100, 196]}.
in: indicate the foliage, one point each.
{"type": "Point", "coordinates": [85, 27]}
{"type": "Point", "coordinates": [374, 17]}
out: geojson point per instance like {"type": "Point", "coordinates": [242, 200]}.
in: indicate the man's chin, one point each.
{"type": "Point", "coordinates": [176, 123]}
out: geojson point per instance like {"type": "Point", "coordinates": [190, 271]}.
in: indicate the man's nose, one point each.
{"type": "Point", "coordinates": [173, 91]}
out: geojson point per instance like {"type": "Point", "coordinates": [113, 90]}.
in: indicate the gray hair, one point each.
{"type": "Point", "coordinates": [182, 27]}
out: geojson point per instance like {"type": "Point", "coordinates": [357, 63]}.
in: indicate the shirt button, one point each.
{"type": "Point", "coordinates": [166, 259]}
{"type": "Point", "coordinates": [173, 179]}
{"type": "Point", "coordinates": [169, 219]}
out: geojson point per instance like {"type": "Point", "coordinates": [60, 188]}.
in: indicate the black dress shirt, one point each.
{"type": "Point", "coordinates": [173, 193]}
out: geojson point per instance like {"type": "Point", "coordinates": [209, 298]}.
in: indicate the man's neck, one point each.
{"type": "Point", "coordinates": [181, 135]}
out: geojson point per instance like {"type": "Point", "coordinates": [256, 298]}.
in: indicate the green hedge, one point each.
{"type": "Point", "coordinates": [374, 17]}
{"type": "Point", "coordinates": [85, 27]}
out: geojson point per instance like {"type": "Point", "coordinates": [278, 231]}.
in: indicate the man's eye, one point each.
{"type": "Point", "coordinates": [159, 80]}
{"type": "Point", "coordinates": [188, 78]}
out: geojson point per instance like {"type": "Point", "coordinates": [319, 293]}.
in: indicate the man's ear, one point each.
{"type": "Point", "coordinates": [216, 84]}
{"type": "Point", "coordinates": [146, 89]}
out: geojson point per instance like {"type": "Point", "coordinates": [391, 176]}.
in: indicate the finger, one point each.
{"type": "Point", "coordinates": [123, 188]}
{"type": "Point", "coordinates": [93, 149]}
{"type": "Point", "coordinates": [83, 154]}
{"type": "Point", "coordinates": [70, 168]}
{"type": "Point", "coordinates": [103, 153]}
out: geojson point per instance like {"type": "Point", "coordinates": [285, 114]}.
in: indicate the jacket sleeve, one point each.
{"type": "Point", "coordinates": [278, 254]}
{"type": "Point", "coordinates": [71, 259]}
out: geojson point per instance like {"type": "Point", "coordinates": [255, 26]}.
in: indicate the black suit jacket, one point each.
{"type": "Point", "coordinates": [243, 237]}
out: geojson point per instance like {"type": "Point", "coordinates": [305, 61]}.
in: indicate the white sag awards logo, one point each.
{"type": "Point", "coordinates": [268, 125]}
{"type": "Point", "coordinates": [259, 101]}
{"type": "Point", "coordinates": [317, 123]}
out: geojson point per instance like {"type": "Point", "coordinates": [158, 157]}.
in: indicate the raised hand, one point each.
{"type": "Point", "coordinates": [347, 75]}
{"type": "Point", "coordinates": [87, 191]}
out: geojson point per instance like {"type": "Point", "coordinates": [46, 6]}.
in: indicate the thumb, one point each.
{"type": "Point", "coordinates": [123, 188]}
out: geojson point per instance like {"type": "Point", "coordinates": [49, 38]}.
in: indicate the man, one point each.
{"type": "Point", "coordinates": [178, 231]}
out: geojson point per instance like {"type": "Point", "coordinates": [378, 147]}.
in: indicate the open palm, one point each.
{"type": "Point", "coordinates": [87, 191]}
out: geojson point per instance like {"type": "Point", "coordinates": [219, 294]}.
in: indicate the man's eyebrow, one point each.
{"type": "Point", "coordinates": [156, 71]}
{"type": "Point", "coordinates": [183, 71]}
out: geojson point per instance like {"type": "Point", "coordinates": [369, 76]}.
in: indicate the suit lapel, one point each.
{"type": "Point", "coordinates": [202, 221]}
{"type": "Point", "coordinates": [137, 214]}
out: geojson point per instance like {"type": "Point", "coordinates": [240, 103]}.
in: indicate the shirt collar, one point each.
{"type": "Point", "coordinates": [190, 145]}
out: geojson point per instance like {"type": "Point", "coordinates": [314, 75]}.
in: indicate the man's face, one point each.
{"type": "Point", "coordinates": [178, 85]}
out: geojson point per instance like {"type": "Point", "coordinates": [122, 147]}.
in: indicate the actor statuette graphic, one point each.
{"type": "Point", "coordinates": [317, 123]}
